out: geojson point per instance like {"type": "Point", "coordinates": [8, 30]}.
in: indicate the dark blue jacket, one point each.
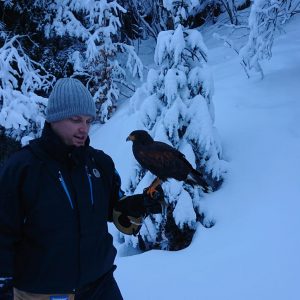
{"type": "Point", "coordinates": [55, 202]}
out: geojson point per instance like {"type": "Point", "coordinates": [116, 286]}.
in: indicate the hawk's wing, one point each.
{"type": "Point", "coordinates": [162, 160]}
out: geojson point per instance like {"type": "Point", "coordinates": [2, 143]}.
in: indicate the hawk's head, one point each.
{"type": "Point", "coordinates": [140, 137]}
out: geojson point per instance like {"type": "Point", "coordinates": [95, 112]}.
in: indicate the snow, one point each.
{"type": "Point", "coordinates": [252, 252]}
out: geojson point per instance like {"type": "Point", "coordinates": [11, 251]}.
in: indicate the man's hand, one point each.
{"type": "Point", "coordinates": [141, 204]}
{"type": "Point", "coordinates": [129, 211]}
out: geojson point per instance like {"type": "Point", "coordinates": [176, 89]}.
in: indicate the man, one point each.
{"type": "Point", "coordinates": [56, 196]}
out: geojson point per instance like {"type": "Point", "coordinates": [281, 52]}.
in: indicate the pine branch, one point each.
{"type": "Point", "coordinates": [151, 31]}
{"type": "Point", "coordinates": [123, 83]}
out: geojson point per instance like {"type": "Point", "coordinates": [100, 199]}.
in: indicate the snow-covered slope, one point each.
{"type": "Point", "coordinates": [253, 250]}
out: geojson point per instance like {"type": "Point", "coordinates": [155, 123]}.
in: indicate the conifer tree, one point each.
{"type": "Point", "coordinates": [175, 106]}
{"type": "Point", "coordinates": [73, 38]}
{"type": "Point", "coordinates": [98, 59]}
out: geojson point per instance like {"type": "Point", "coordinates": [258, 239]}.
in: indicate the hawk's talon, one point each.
{"type": "Point", "coordinates": [151, 191]}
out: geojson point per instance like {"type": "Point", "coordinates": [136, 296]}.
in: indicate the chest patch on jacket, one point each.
{"type": "Point", "coordinates": [96, 173]}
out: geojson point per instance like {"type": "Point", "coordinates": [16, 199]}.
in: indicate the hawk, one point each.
{"type": "Point", "coordinates": [163, 161]}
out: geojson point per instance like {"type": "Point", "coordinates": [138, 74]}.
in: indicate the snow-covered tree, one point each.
{"type": "Point", "coordinates": [100, 61]}
{"type": "Point", "coordinates": [144, 18]}
{"type": "Point", "coordinates": [21, 78]}
{"type": "Point", "coordinates": [175, 106]}
{"type": "Point", "coordinates": [78, 38]}
{"type": "Point", "coordinates": [153, 16]}
{"type": "Point", "coordinates": [266, 18]}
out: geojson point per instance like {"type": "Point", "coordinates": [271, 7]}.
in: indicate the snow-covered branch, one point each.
{"type": "Point", "coordinates": [266, 17]}
{"type": "Point", "coordinates": [20, 78]}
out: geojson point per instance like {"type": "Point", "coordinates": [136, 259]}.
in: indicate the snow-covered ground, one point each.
{"type": "Point", "coordinates": [253, 251]}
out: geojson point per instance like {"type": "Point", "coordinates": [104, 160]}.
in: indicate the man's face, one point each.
{"type": "Point", "coordinates": [73, 131]}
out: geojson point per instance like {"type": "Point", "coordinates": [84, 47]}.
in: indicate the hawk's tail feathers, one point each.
{"type": "Point", "coordinates": [196, 178]}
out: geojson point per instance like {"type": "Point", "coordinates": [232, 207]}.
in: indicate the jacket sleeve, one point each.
{"type": "Point", "coordinates": [10, 215]}
{"type": "Point", "coordinates": [116, 194]}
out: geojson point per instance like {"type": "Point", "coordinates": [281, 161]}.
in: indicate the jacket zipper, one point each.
{"type": "Point", "coordinates": [89, 176]}
{"type": "Point", "coordinates": [62, 181]}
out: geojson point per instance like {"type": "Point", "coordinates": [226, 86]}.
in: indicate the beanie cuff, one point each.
{"type": "Point", "coordinates": [54, 117]}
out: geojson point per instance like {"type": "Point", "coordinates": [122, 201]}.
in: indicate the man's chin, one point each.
{"type": "Point", "coordinates": [80, 143]}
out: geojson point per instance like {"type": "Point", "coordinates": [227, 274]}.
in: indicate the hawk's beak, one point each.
{"type": "Point", "coordinates": [129, 138]}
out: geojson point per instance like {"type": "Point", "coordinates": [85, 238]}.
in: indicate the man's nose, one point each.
{"type": "Point", "coordinates": [84, 127]}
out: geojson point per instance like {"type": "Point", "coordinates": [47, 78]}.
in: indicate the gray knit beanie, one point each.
{"type": "Point", "coordinates": [69, 98]}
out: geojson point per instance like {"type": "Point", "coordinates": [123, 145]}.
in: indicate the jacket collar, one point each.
{"type": "Point", "coordinates": [58, 150]}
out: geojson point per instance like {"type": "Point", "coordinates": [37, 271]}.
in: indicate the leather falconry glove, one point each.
{"type": "Point", "coordinates": [130, 211]}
